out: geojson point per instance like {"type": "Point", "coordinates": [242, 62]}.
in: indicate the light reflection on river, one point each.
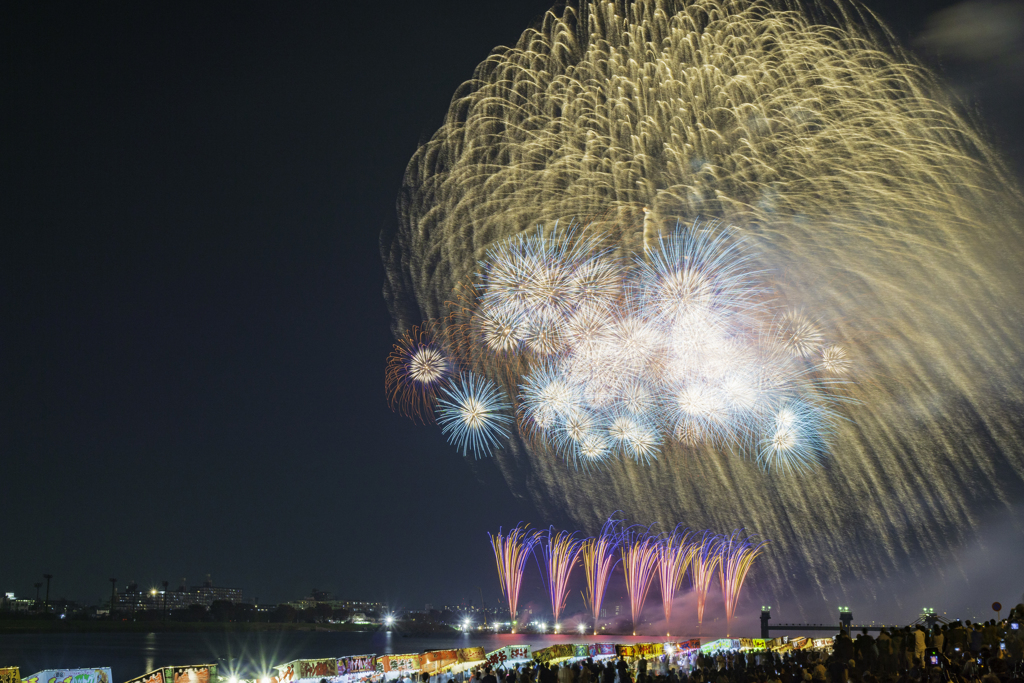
{"type": "Point", "coordinates": [245, 654]}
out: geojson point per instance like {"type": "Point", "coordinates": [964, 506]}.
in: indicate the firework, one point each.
{"type": "Point", "coordinates": [472, 413]}
{"type": "Point", "coordinates": [511, 551]}
{"type": "Point", "coordinates": [681, 346]}
{"type": "Point", "coordinates": [547, 397]}
{"type": "Point", "coordinates": [639, 560]}
{"type": "Point", "coordinates": [599, 562]}
{"type": "Point", "coordinates": [560, 552]}
{"type": "Point", "coordinates": [737, 555]}
{"type": "Point", "coordinates": [835, 360]}
{"type": "Point", "coordinates": [706, 559]}
{"type": "Point", "coordinates": [795, 436]}
{"type": "Point", "coordinates": [416, 370]}
{"type": "Point", "coordinates": [675, 553]}
{"type": "Point", "coordinates": [776, 117]}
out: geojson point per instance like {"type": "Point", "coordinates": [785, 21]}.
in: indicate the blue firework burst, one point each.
{"type": "Point", "coordinates": [472, 412]}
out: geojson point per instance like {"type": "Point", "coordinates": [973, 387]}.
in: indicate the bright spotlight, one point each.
{"type": "Point", "coordinates": [582, 628]}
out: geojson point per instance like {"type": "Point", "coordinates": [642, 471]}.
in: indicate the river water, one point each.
{"type": "Point", "coordinates": [247, 655]}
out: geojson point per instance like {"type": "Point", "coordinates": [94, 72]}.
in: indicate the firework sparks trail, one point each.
{"type": "Point", "coordinates": [895, 265]}
{"type": "Point", "coordinates": [511, 551]}
{"type": "Point", "coordinates": [639, 560]}
{"type": "Point", "coordinates": [736, 554]}
{"type": "Point", "coordinates": [599, 561]}
{"type": "Point", "coordinates": [675, 552]}
{"type": "Point", "coordinates": [560, 552]}
{"type": "Point", "coordinates": [706, 559]}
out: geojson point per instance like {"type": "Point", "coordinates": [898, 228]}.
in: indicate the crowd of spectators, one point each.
{"type": "Point", "coordinates": [958, 652]}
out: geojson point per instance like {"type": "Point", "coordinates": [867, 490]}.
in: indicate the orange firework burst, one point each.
{"type": "Point", "coordinates": [417, 368]}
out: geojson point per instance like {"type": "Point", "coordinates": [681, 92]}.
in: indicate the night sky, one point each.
{"type": "Point", "coordinates": [193, 333]}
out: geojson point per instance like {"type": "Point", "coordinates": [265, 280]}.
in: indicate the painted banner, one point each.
{"type": "Point", "coordinates": [299, 669]}
{"type": "Point", "coordinates": [100, 675]}
{"type": "Point", "coordinates": [314, 668]}
{"type": "Point", "coordinates": [685, 646]}
{"type": "Point", "coordinates": [606, 648]}
{"type": "Point", "coordinates": [519, 652]}
{"type": "Point", "coordinates": [721, 644]}
{"type": "Point", "coordinates": [580, 650]}
{"type": "Point", "coordinates": [648, 649]}
{"type": "Point", "coordinates": [389, 663]}
{"type": "Point", "coordinates": [823, 642]}
{"type": "Point", "coordinates": [510, 653]}
{"type": "Point", "coordinates": [203, 673]}
{"type": "Point", "coordinates": [554, 652]}
{"type": "Point", "coordinates": [435, 660]}
{"type": "Point", "coordinates": [198, 673]}
{"type": "Point", "coordinates": [10, 674]}
{"type": "Point", "coordinates": [355, 665]}
{"type": "Point", "coordinates": [624, 650]}
{"type": "Point", "coordinates": [471, 654]}
{"type": "Point", "coordinates": [152, 677]}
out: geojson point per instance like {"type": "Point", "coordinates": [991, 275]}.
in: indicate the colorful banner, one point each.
{"type": "Point", "coordinates": [10, 674]}
{"type": "Point", "coordinates": [580, 650]}
{"type": "Point", "coordinates": [435, 660]}
{"type": "Point", "coordinates": [389, 663]}
{"type": "Point", "coordinates": [517, 653]}
{"type": "Point", "coordinates": [554, 652]}
{"type": "Point", "coordinates": [358, 664]}
{"type": "Point", "coordinates": [471, 654]}
{"type": "Point", "coordinates": [624, 650]}
{"type": "Point", "coordinates": [511, 653]}
{"type": "Point", "coordinates": [152, 677]}
{"type": "Point", "coordinates": [299, 669]}
{"type": "Point", "coordinates": [198, 673]}
{"type": "Point", "coordinates": [823, 643]}
{"type": "Point", "coordinates": [648, 650]}
{"type": "Point", "coordinates": [606, 648]}
{"type": "Point", "coordinates": [100, 675]}
{"type": "Point", "coordinates": [203, 673]}
{"type": "Point", "coordinates": [721, 644]}
{"type": "Point", "coordinates": [315, 668]}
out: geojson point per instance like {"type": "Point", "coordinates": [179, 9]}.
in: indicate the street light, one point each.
{"type": "Point", "coordinates": [47, 577]}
